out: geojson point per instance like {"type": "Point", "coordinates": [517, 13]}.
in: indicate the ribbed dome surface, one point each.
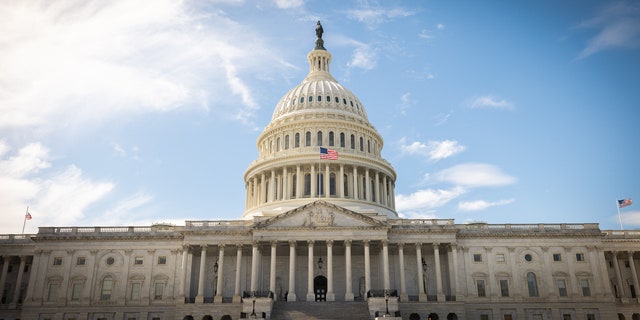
{"type": "Point", "coordinates": [319, 94]}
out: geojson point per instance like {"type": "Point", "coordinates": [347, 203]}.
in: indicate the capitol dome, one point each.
{"type": "Point", "coordinates": [319, 115]}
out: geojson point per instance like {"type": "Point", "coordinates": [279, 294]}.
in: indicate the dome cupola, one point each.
{"type": "Point", "coordinates": [319, 115]}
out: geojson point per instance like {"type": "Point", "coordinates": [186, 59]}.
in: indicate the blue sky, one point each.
{"type": "Point", "coordinates": [135, 112]}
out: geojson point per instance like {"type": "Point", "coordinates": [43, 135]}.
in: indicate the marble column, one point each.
{"type": "Point", "coordinates": [573, 283]}
{"type": "Point", "coordinates": [422, 296]}
{"type": "Point", "coordinates": [254, 266]}
{"type": "Point", "coordinates": [298, 184]}
{"type": "Point", "coordinates": [17, 289]}
{"type": "Point", "coordinates": [263, 189]}
{"type": "Point", "coordinates": [436, 253]}
{"type": "Point", "coordinates": [454, 270]}
{"type": "Point", "coordinates": [355, 183]}
{"type": "Point", "coordinates": [385, 264]}
{"type": "Point", "coordinates": [331, 296]}
{"type": "Point", "coordinates": [201, 276]}
{"type": "Point", "coordinates": [291, 295]}
{"type": "Point", "coordinates": [348, 296]}
{"type": "Point", "coordinates": [340, 186]}
{"type": "Point", "coordinates": [403, 284]}
{"type": "Point", "coordinates": [367, 269]}
{"type": "Point", "coordinates": [314, 182]}
{"type": "Point", "coordinates": [285, 184]}
{"type": "Point", "coordinates": [183, 272]}
{"type": "Point", "coordinates": [327, 180]}
{"type": "Point", "coordinates": [255, 197]}
{"type": "Point", "coordinates": [616, 267]}
{"type": "Point", "coordinates": [272, 269]}
{"type": "Point", "coordinates": [310, 295]}
{"type": "Point", "coordinates": [3, 277]}
{"type": "Point", "coordinates": [377, 184]}
{"type": "Point", "coordinates": [385, 192]}
{"type": "Point", "coordinates": [634, 273]}
{"type": "Point", "coordinates": [220, 280]}
{"type": "Point", "coordinates": [367, 186]}
{"type": "Point", "coordinates": [236, 294]}
{"type": "Point", "coordinates": [272, 187]}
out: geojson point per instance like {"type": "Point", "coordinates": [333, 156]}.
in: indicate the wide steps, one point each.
{"type": "Point", "coordinates": [334, 310]}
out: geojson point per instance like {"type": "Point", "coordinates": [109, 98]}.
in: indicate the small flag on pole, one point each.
{"type": "Point", "coordinates": [27, 216]}
{"type": "Point", "coordinates": [625, 202]}
{"type": "Point", "coordinates": [328, 154]}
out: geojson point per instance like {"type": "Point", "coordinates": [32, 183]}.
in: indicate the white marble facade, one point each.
{"type": "Point", "coordinates": [320, 230]}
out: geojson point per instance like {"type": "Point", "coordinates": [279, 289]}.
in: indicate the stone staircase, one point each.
{"type": "Point", "coordinates": [335, 310]}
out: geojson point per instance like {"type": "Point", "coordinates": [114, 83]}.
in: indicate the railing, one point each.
{"type": "Point", "coordinates": [257, 294]}
{"type": "Point", "coordinates": [107, 230]}
{"type": "Point", "coordinates": [194, 224]}
{"type": "Point", "coordinates": [422, 222]}
{"type": "Point", "coordinates": [529, 227]}
{"type": "Point", "coordinates": [621, 233]}
{"type": "Point", "coordinates": [16, 238]}
{"type": "Point", "coordinates": [381, 293]}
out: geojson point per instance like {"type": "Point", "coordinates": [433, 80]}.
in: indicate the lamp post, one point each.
{"type": "Point", "coordinates": [253, 311]}
{"type": "Point", "coordinates": [386, 301]}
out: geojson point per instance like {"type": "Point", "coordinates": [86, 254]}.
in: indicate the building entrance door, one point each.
{"type": "Point", "coordinates": [320, 288]}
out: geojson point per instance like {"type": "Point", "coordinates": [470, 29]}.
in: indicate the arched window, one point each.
{"type": "Point", "coordinates": [310, 98]}
{"type": "Point", "coordinates": [319, 98]}
{"type": "Point", "coordinates": [278, 144]}
{"type": "Point", "coordinates": [353, 142]}
{"type": "Point", "coordinates": [368, 146]}
{"type": "Point", "coordinates": [337, 100]}
{"type": "Point", "coordinates": [107, 288]}
{"type": "Point", "coordinates": [328, 98]}
{"type": "Point", "coordinates": [361, 144]}
{"type": "Point", "coordinates": [373, 190]}
{"type": "Point", "coordinates": [319, 142]}
{"type": "Point", "coordinates": [297, 141]}
{"type": "Point", "coordinates": [307, 140]}
{"type": "Point", "coordinates": [532, 283]}
{"type": "Point", "coordinates": [286, 142]}
{"type": "Point", "coordinates": [342, 139]}
{"type": "Point", "coordinates": [307, 184]}
{"type": "Point", "coordinates": [332, 184]}
{"type": "Point", "coordinates": [331, 138]}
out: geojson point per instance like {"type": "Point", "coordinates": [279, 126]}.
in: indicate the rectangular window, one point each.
{"type": "Point", "coordinates": [500, 257]}
{"type": "Point", "coordinates": [57, 261]}
{"type": "Point", "coordinates": [566, 316]}
{"type": "Point", "coordinates": [162, 260]}
{"type": "Point", "coordinates": [537, 317]}
{"type": "Point", "coordinates": [562, 287]}
{"type": "Point", "coordinates": [80, 261]}
{"type": "Point", "coordinates": [76, 290]}
{"type": "Point", "coordinates": [477, 257]}
{"type": "Point", "coordinates": [591, 316]}
{"type": "Point", "coordinates": [159, 290]}
{"type": "Point", "coordinates": [579, 256]}
{"type": "Point", "coordinates": [508, 317]}
{"type": "Point", "coordinates": [586, 291]}
{"type": "Point", "coordinates": [481, 289]}
{"type": "Point", "coordinates": [135, 291]}
{"type": "Point", "coordinates": [504, 287]}
{"type": "Point", "coordinates": [557, 257]}
{"type": "Point", "coordinates": [52, 294]}
{"type": "Point", "coordinates": [484, 317]}
{"type": "Point", "coordinates": [138, 260]}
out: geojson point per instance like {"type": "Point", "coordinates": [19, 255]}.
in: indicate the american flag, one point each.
{"type": "Point", "coordinates": [624, 202]}
{"type": "Point", "coordinates": [27, 216]}
{"type": "Point", "coordinates": [328, 154]}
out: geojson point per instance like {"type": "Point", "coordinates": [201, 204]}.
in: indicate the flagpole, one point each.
{"type": "Point", "coordinates": [619, 217]}
{"type": "Point", "coordinates": [24, 223]}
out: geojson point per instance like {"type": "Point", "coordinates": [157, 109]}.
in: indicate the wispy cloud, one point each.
{"type": "Point", "coordinates": [56, 196]}
{"type": "Point", "coordinates": [616, 25]}
{"type": "Point", "coordinates": [125, 57]}
{"type": "Point", "coordinates": [475, 175]}
{"type": "Point", "coordinates": [424, 201]}
{"type": "Point", "coordinates": [372, 17]}
{"type": "Point", "coordinates": [434, 150]}
{"type": "Point", "coordinates": [490, 102]}
{"type": "Point", "coordinates": [288, 4]}
{"type": "Point", "coordinates": [479, 205]}
{"type": "Point", "coordinates": [631, 218]}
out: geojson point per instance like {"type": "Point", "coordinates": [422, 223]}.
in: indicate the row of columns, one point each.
{"type": "Point", "coordinates": [278, 184]}
{"type": "Point", "coordinates": [330, 295]}
{"type": "Point", "coordinates": [634, 275]}
{"type": "Point", "coordinates": [3, 279]}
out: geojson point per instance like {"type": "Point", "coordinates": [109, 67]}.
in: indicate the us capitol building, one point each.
{"type": "Point", "coordinates": [320, 233]}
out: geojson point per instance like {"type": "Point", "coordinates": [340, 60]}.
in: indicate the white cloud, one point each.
{"type": "Point", "coordinates": [425, 34]}
{"type": "Point", "coordinates": [56, 196]}
{"type": "Point", "coordinates": [125, 211]}
{"type": "Point", "coordinates": [617, 26]}
{"type": "Point", "coordinates": [440, 26]}
{"type": "Point", "coordinates": [126, 57]}
{"type": "Point", "coordinates": [490, 102]}
{"type": "Point", "coordinates": [475, 175]}
{"type": "Point", "coordinates": [631, 218]}
{"type": "Point", "coordinates": [434, 150]}
{"type": "Point", "coordinates": [482, 204]}
{"type": "Point", "coordinates": [375, 16]}
{"type": "Point", "coordinates": [363, 57]}
{"type": "Point", "coordinates": [426, 199]}
{"type": "Point", "coordinates": [288, 4]}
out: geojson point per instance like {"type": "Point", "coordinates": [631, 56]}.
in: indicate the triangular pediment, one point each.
{"type": "Point", "coordinates": [320, 214]}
